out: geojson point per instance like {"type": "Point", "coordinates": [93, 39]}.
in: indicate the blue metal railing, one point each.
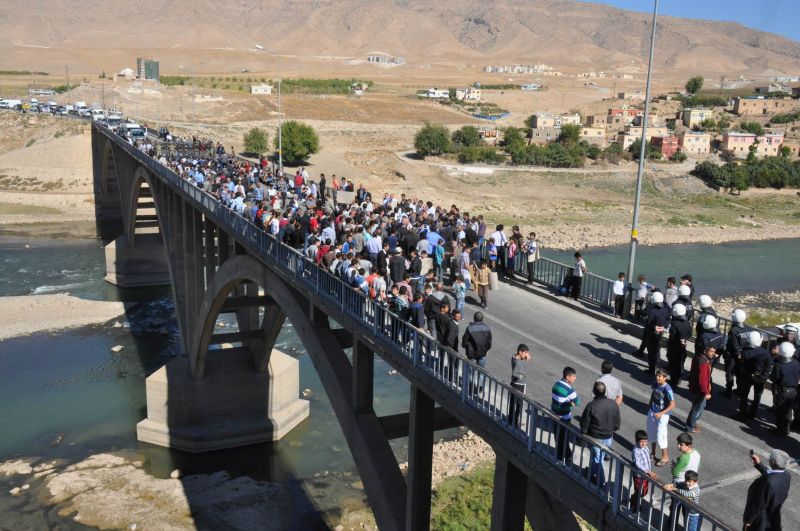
{"type": "Point", "coordinates": [528, 421]}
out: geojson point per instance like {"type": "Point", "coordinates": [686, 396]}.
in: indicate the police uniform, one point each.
{"type": "Point", "coordinates": [733, 355]}
{"type": "Point", "coordinates": [658, 315]}
{"type": "Point", "coordinates": [680, 331]}
{"type": "Point", "coordinates": [785, 376]}
{"type": "Point", "coordinates": [754, 371]}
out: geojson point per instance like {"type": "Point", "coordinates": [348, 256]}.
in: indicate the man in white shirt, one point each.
{"type": "Point", "coordinates": [501, 241]}
{"type": "Point", "coordinates": [619, 295]}
{"type": "Point", "coordinates": [577, 275]}
{"type": "Point", "coordinates": [613, 386]}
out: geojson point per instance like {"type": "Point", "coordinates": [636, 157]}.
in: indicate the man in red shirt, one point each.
{"type": "Point", "coordinates": [700, 386]}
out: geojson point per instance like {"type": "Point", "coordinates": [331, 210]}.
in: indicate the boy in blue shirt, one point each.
{"type": "Point", "coordinates": [662, 401]}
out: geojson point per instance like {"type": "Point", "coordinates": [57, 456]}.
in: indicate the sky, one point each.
{"type": "Point", "coordinates": [776, 16]}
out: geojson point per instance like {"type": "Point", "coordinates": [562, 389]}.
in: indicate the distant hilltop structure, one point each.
{"type": "Point", "coordinates": [385, 59]}
{"type": "Point", "coordinates": [517, 69]}
{"type": "Point", "coordinates": [146, 69]}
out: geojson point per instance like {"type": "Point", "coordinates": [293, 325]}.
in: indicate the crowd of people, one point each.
{"type": "Point", "coordinates": [405, 254]}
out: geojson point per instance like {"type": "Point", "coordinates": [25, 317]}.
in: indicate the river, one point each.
{"type": "Point", "coordinates": [66, 395]}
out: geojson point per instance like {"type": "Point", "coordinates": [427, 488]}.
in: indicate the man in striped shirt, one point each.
{"type": "Point", "coordinates": [564, 400]}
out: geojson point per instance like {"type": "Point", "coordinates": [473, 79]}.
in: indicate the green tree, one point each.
{"type": "Point", "coordinates": [709, 124]}
{"type": "Point", "coordinates": [570, 134]}
{"type": "Point", "coordinates": [432, 139]}
{"type": "Point", "coordinates": [256, 141]}
{"type": "Point", "coordinates": [678, 156]}
{"type": "Point", "coordinates": [635, 149]}
{"type": "Point", "coordinates": [694, 84]}
{"type": "Point", "coordinates": [299, 142]}
{"type": "Point", "coordinates": [785, 151]}
{"type": "Point", "coordinates": [752, 127]}
{"type": "Point", "coordinates": [467, 136]}
{"type": "Point", "coordinates": [594, 152]}
{"type": "Point", "coordinates": [513, 139]}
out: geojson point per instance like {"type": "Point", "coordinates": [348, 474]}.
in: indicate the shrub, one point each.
{"type": "Point", "coordinates": [432, 139]}
{"type": "Point", "coordinates": [513, 139]}
{"type": "Point", "coordinates": [570, 133]}
{"type": "Point", "coordinates": [752, 127]}
{"type": "Point", "coordinates": [299, 142]}
{"type": "Point", "coordinates": [694, 84]}
{"type": "Point", "coordinates": [678, 156]}
{"type": "Point", "coordinates": [256, 141]}
{"type": "Point", "coordinates": [467, 136]}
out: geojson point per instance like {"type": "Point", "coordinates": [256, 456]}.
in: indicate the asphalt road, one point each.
{"type": "Point", "coordinates": [558, 336]}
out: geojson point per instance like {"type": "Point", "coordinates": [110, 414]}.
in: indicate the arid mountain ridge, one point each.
{"type": "Point", "coordinates": [562, 33]}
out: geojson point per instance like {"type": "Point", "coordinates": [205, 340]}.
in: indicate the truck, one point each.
{"type": "Point", "coordinates": [98, 115]}
{"type": "Point", "coordinates": [10, 104]}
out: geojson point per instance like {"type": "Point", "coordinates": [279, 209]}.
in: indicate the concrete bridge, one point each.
{"type": "Point", "coordinates": [166, 230]}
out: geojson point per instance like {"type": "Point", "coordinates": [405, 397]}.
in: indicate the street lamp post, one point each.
{"type": "Point", "coordinates": [280, 114]}
{"type": "Point", "coordinates": [640, 171]}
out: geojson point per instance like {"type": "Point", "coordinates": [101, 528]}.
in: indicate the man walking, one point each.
{"type": "Point", "coordinates": [613, 386]}
{"type": "Point", "coordinates": [522, 355]}
{"type": "Point", "coordinates": [600, 419]}
{"type": "Point", "coordinates": [565, 399]}
{"type": "Point", "coordinates": [784, 377]}
{"type": "Point", "coordinates": [700, 386]}
{"type": "Point", "coordinates": [767, 493]}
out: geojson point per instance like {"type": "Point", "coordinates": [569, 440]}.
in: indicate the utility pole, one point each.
{"type": "Point", "coordinates": [722, 85]}
{"type": "Point", "coordinates": [67, 70]}
{"type": "Point", "coordinates": [640, 171]}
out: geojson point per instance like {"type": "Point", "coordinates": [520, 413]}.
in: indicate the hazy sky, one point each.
{"type": "Point", "coordinates": [777, 16]}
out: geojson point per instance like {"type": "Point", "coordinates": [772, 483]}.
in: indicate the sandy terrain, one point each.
{"type": "Point", "coordinates": [53, 312]}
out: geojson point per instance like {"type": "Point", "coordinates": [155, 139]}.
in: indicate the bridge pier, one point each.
{"type": "Point", "coordinates": [142, 264]}
{"type": "Point", "coordinates": [232, 405]}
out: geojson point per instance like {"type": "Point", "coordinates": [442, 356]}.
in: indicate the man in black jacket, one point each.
{"type": "Point", "coordinates": [600, 419]}
{"type": "Point", "coordinates": [766, 495]}
{"type": "Point", "coordinates": [397, 266]}
{"type": "Point", "coordinates": [477, 341]}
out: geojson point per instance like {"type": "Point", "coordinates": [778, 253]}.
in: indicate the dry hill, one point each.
{"type": "Point", "coordinates": [92, 35]}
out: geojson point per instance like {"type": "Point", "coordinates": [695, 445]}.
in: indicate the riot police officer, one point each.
{"type": "Point", "coordinates": [685, 298]}
{"type": "Point", "coordinates": [680, 331]}
{"type": "Point", "coordinates": [733, 349]}
{"type": "Point", "coordinates": [706, 308]}
{"type": "Point", "coordinates": [754, 371]}
{"type": "Point", "coordinates": [711, 335]}
{"type": "Point", "coordinates": [785, 377]}
{"type": "Point", "coordinates": [657, 320]}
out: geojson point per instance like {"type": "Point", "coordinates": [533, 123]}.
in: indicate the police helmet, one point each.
{"type": "Point", "coordinates": [705, 301]}
{"type": "Point", "coordinates": [790, 331]}
{"type": "Point", "coordinates": [709, 322]}
{"type": "Point", "coordinates": [753, 339]}
{"type": "Point", "coordinates": [657, 297]}
{"type": "Point", "coordinates": [786, 350]}
{"type": "Point", "coordinates": [684, 291]}
{"type": "Point", "coordinates": [678, 310]}
{"type": "Point", "coordinates": [738, 316]}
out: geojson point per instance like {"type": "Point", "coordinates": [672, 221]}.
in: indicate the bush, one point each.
{"type": "Point", "coordinates": [570, 133]}
{"type": "Point", "coordinates": [319, 86]}
{"type": "Point", "coordinates": [513, 139]}
{"type": "Point", "coordinates": [678, 156]}
{"type": "Point", "coordinates": [703, 100]}
{"type": "Point", "coordinates": [594, 152]}
{"type": "Point", "coordinates": [173, 80]}
{"type": "Point", "coordinates": [651, 153]}
{"type": "Point", "coordinates": [694, 84]}
{"type": "Point", "coordinates": [432, 139]}
{"type": "Point", "coordinates": [256, 141]}
{"type": "Point", "coordinates": [467, 136]}
{"type": "Point", "coordinates": [774, 172]}
{"type": "Point", "coordinates": [550, 155]}
{"type": "Point", "coordinates": [299, 142]}
{"type": "Point", "coordinates": [481, 154]}
{"type": "Point", "coordinates": [752, 127]}
{"type": "Point", "coordinates": [785, 118]}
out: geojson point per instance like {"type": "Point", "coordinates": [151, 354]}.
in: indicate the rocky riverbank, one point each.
{"type": "Point", "coordinates": [764, 309]}
{"type": "Point", "coordinates": [52, 312]}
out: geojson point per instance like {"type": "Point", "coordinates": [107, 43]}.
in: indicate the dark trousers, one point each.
{"type": "Point", "coordinates": [744, 392]}
{"type": "Point", "coordinates": [730, 371]}
{"type": "Point", "coordinates": [676, 358]}
{"type": "Point", "coordinates": [783, 412]}
{"type": "Point", "coordinates": [619, 305]}
{"type": "Point", "coordinates": [576, 287]}
{"type": "Point", "coordinates": [563, 443]}
{"type": "Point", "coordinates": [531, 269]}
{"type": "Point", "coordinates": [653, 344]}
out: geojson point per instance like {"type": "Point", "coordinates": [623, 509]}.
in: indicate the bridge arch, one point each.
{"type": "Point", "coordinates": [133, 216]}
{"type": "Point", "coordinates": [109, 177]}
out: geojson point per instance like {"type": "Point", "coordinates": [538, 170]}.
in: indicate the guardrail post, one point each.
{"type": "Point", "coordinates": [616, 492]}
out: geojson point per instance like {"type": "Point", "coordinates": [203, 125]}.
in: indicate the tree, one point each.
{"type": "Point", "coordinates": [752, 127]}
{"type": "Point", "coordinates": [694, 84]}
{"type": "Point", "coordinates": [513, 139]}
{"type": "Point", "coordinates": [570, 134]}
{"type": "Point", "coordinates": [299, 142]}
{"type": "Point", "coordinates": [785, 151]}
{"type": "Point", "coordinates": [709, 124]}
{"type": "Point", "coordinates": [256, 141]}
{"type": "Point", "coordinates": [467, 136]}
{"type": "Point", "coordinates": [650, 152]}
{"type": "Point", "coordinates": [678, 156]}
{"type": "Point", "coordinates": [432, 139]}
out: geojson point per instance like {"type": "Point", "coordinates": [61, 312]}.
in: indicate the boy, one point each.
{"type": "Point", "coordinates": [662, 401]}
{"type": "Point", "coordinates": [482, 281]}
{"type": "Point", "coordinates": [641, 458]}
{"type": "Point", "coordinates": [688, 460]}
{"type": "Point", "coordinates": [460, 292]}
{"type": "Point", "coordinates": [641, 297]}
{"type": "Point", "coordinates": [619, 295]}
{"type": "Point", "coordinates": [690, 490]}
{"type": "Point", "coordinates": [564, 400]}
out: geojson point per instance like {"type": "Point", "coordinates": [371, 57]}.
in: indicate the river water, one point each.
{"type": "Point", "coordinates": [66, 395]}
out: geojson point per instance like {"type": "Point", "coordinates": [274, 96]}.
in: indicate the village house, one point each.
{"type": "Point", "coordinates": [468, 94]}
{"type": "Point", "coordinates": [631, 135]}
{"type": "Point", "coordinates": [666, 145]}
{"type": "Point", "coordinates": [694, 117]}
{"type": "Point", "coordinates": [543, 120]}
{"type": "Point", "coordinates": [596, 120]}
{"type": "Point", "coordinates": [436, 93]}
{"type": "Point", "coordinates": [793, 145]}
{"type": "Point", "coordinates": [544, 135]}
{"type": "Point", "coordinates": [736, 144]}
{"type": "Point", "coordinates": [619, 118]}
{"type": "Point", "coordinates": [385, 59]}
{"type": "Point", "coordinates": [796, 92]}
{"type": "Point", "coordinates": [771, 88]}
{"type": "Point", "coordinates": [694, 142]}
{"type": "Point", "coordinates": [630, 96]}
{"type": "Point", "coordinates": [762, 106]}
{"type": "Point", "coordinates": [594, 135]}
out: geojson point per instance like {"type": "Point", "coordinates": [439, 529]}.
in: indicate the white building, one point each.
{"type": "Point", "coordinates": [468, 94]}
{"type": "Point", "coordinates": [436, 93]}
{"type": "Point", "coordinates": [530, 86]}
{"type": "Point", "coordinates": [260, 89]}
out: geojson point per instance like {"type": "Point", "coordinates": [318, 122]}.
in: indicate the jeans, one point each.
{"type": "Point", "coordinates": [476, 383]}
{"type": "Point", "coordinates": [598, 475]}
{"type": "Point", "coordinates": [692, 522]}
{"type": "Point", "coordinates": [698, 405]}
{"type": "Point", "coordinates": [460, 304]}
